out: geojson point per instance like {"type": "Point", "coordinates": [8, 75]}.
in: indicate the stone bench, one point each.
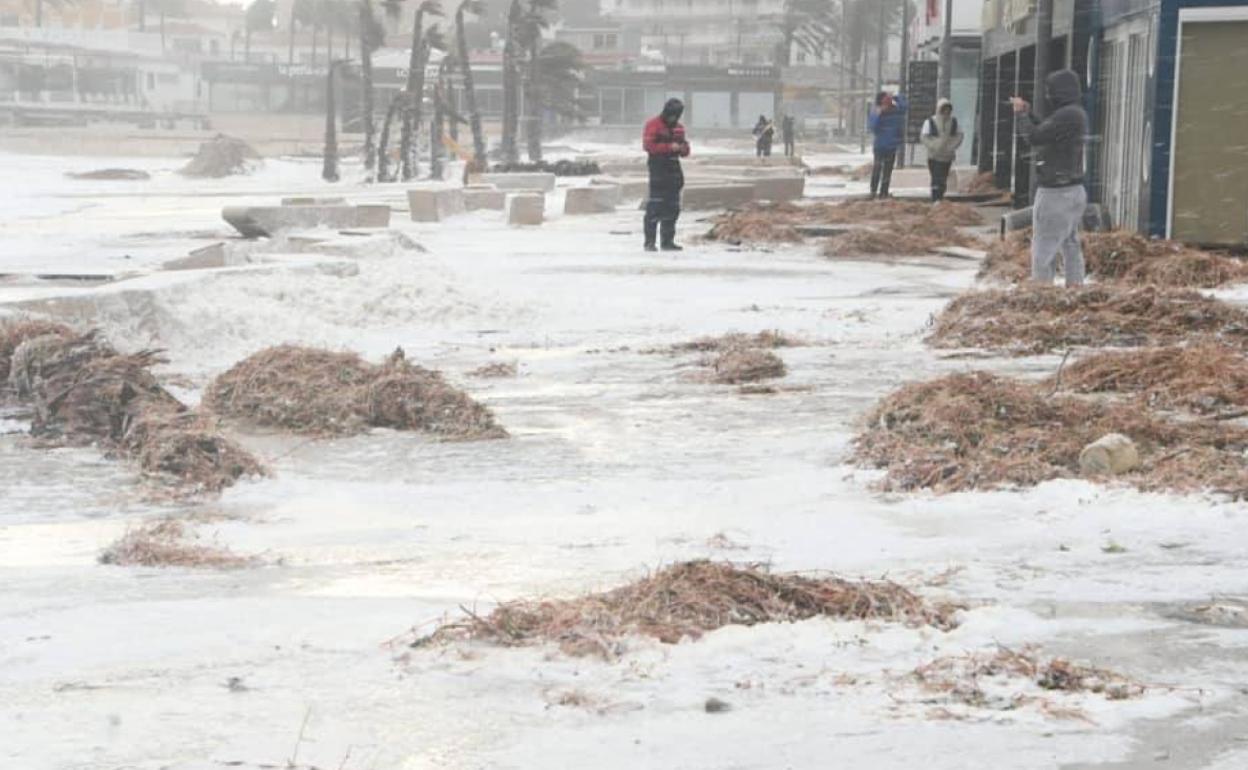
{"type": "Point", "coordinates": [435, 204]}
{"type": "Point", "coordinates": [267, 221]}
{"type": "Point", "coordinates": [594, 199]}
{"type": "Point", "coordinates": [631, 189]}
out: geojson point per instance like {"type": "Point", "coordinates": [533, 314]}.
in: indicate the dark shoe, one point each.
{"type": "Point", "coordinates": [673, 247]}
{"type": "Point", "coordinates": [650, 247]}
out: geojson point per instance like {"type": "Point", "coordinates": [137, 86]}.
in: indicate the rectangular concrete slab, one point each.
{"type": "Point", "coordinates": [519, 181]}
{"type": "Point", "coordinates": [264, 221]}
{"type": "Point", "coordinates": [631, 189]}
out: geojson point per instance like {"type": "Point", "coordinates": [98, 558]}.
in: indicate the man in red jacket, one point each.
{"type": "Point", "coordinates": [665, 143]}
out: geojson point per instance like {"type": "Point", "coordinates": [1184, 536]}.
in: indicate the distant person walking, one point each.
{"type": "Point", "coordinates": [765, 134]}
{"type": "Point", "coordinates": [1057, 211]}
{"type": "Point", "coordinates": [941, 137]}
{"type": "Point", "coordinates": [664, 141]}
{"type": "Point", "coordinates": [787, 132]}
{"type": "Point", "coordinates": [887, 122]}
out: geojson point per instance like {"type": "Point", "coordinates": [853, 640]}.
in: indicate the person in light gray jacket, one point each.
{"type": "Point", "coordinates": [1057, 211]}
{"type": "Point", "coordinates": [941, 138]}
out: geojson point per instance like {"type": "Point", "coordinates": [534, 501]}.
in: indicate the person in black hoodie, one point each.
{"type": "Point", "coordinates": [1057, 211]}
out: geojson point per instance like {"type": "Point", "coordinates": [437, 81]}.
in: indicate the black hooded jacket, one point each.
{"type": "Point", "coordinates": [1058, 141]}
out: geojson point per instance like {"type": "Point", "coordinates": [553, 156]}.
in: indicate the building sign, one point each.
{"type": "Point", "coordinates": [921, 85]}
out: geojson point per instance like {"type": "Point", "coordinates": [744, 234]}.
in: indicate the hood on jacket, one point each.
{"type": "Point", "coordinates": [1062, 88]}
{"type": "Point", "coordinates": [943, 103]}
{"type": "Point", "coordinates": [673, 109]}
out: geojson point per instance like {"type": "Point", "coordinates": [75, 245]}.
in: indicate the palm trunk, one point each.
{"type": "Point", "coordinates": [316, 31]}
{"type": "Point", "coordinates": [162, 27]}
{"type": "Point", "coordinates": [366, 85]}
{"type": "Point", "coordinates": [329, 43]}
{"type": "Point", "coordinates": [247, 43]}
{"type": "Point", "coordinates": [511, 78]}
{"type": "Point", "coordinates": [383, 142]}
{"type": "Point", "coordinates": [452, 109]}
{"type": "Point", "coordinates": [533, 104]}
{"type": "Point", "coordinates": [290, 47]}
{"type": "Point", "coordinates": [415, 90]}
{"type": "Point", "coordinates": [470, 94]}
{"type": "Point", "coordinates": [329, 165]}
{"type": "Point", "coordinates": [436, 150]}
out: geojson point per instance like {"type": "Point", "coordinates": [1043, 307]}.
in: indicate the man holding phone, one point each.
{"type": "Point", "coordinates": [1057, 211]}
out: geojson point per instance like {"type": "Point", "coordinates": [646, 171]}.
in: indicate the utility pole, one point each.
{"type": "Point", "coordinates": [1044, 38]}
{"type": "Point", "coordinates": [905, 74]}
{"type": "Point", "coordinates": [945, 89]}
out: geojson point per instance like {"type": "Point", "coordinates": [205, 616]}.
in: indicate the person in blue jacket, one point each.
{"type": "Point", "coordinates": [888, 124]}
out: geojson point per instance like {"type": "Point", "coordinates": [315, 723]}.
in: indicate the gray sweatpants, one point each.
{"type": "Point", "coordinates": [1056, 217]}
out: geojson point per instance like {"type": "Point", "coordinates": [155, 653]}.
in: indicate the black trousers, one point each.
{"type": "Point", "coordinates": [662, 211]}
{"type": "Point", "coordinates": [790, 147]}
{"type": "Point", "coordinates": [939, 170]}
{"type": "Point", "coordinates": [882, 172]}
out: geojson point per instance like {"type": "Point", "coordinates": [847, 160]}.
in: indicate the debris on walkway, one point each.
{"type": "Point", "coordinates": [767, 340]}
{"type": "Point", "coordinates": [16, 331]}
{"type": "Point", "coordinates": [737, 366]}
{"type": "Point", "coordinates": [779, 222]}
{"type": "Point", "coordinates": [979, 431]}
{"type": "Point", "coordinates": [1205, 377]}
{"type": "Point", "coordinates": [169, 543]}
{"type": "Point", "coordinates": [222, 156]}
{"type": "Point", "coordinates": [1122, 257]}
{"type": "Point", "coordinates": [497, 370]}
{"type": "Point", "coordinates": [1033, 319]}
{"type": "Point", "coordinates": [687, 600]}
{"type": "Point", "coordinates": [320, 392]}
{"type": "Point", "coordinates": [984, 182]}
{"type": "Point", "coordinates": [900, 242]}
{"type": "Point", "coordinates": [86, 393]}
{"type": "Point", "coordinates": [1008, 679]}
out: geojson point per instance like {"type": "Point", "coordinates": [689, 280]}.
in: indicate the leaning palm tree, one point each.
{"type": "Point", "coordinates": [534, 23]}
{"type": "Point", "coordinates": [372, 37]}
{"type": "Point", "coordinates": [807, 25]}
{"type": "Point", "coordinates": [415, 88]}
{"type": "Point", "coordinates": [477, 8]}
{"type": "Point", "coordinates": [561, 70]}
{"type": "Point", "coordinates": [383, 140]}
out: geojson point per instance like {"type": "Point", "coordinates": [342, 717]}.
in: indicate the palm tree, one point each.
{"type": "Point", "coordinates": [58, 4]}
{"type": "Point", "coordinates": [807, 25]}
{"type": "Point", "coordinates": [511, 82]}
{"type": "Point", "coordinates": [534, 23]}
{"type": "Point", "coordinates": [329, 162]}
{"type": "Point", "coordinates": [383, 141]}
{"type": "Point", "coordinates": [437, 151]}
{"type": "Point", "coordinates": [372, 37]}
{"type": "Point", "coordinates": [259, 17]}
{"type": "Point", "coordinates": [475, 7]}
{"type": "Point", "coordinates": [415, 88]}
{"type": "Point", "coordinates": [561, 71]}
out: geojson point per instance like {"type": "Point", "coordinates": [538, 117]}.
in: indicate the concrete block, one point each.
{"type": "Point", "coordinates": [594, 199]}
{"type": "Point", "coordinates": [778, 189]}
{"type": "Point", "coordinates": [479, 197]}
{"type": "Point", "coordinates": [716, 196]}
{"type": "Point", "coordinates": [372, 215]}
{"type": "Point", "coordinates": [428, 204]}
{"type": "Point", "coordinates": [746, 160]}
{"type": "Point", "coordinates": [624, 168]}
{"type": "Point", "coordinates": [517, 182]}
{"type": "Point", "coordinates": [631, 189]}
{"type": "Point", "coordinates": [526, 209]}
{"type": "Point", "coordinates": [266, 221]}
{"type": "Point", "coordinates": [1111, 454]}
